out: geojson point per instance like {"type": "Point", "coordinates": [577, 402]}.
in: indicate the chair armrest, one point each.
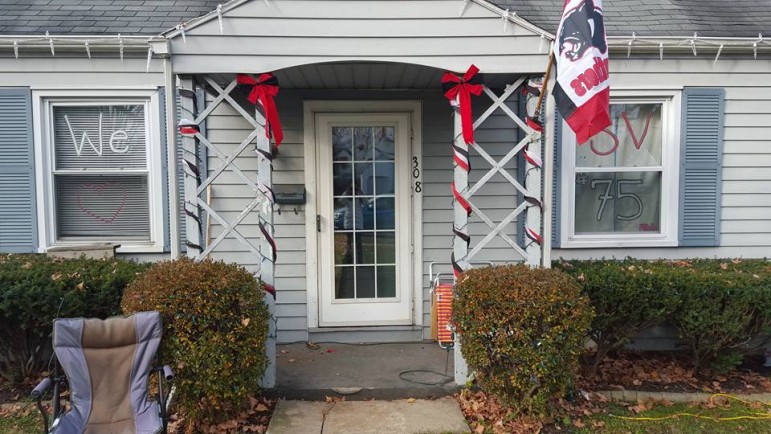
{"type": "Point", "coordinates": [41, 388]}
{"type": "Point", "coordinates": [168, 374]}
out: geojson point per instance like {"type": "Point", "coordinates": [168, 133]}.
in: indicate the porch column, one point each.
{"type": "Point", "coordinates": [533, 228]}
{"type": "Point", "coordinates": [171, 157]}
{"type": "Point", "coordinates": [190, 166]}
{"type": "Point", "coordinates": [460, 226]}
{"type": "Point", "coordinates": [267, 241]}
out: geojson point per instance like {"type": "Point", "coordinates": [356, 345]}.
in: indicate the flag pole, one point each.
{"type": "Point", "coordinates": [545, 84]}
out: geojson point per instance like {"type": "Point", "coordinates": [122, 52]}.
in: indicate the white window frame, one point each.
{"type": "Point", "coordinates": [43, 102]}
{"type": "Point", "coordinates": [670, 178]}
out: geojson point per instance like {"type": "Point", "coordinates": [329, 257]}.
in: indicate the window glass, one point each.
{"type": "Point", "coordinates": [618, 174]}
{"type": "Point", "coordinates": [101, 172]}
{"type": "Point", "coordinates": [634, 139]}
{"type": "Point", "coordinates": [618, 202]}
{"type": "Point", "coordinates": [100, 137]}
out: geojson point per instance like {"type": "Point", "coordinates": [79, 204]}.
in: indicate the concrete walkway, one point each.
{"type": "Point", "coordinates": [368, 417]}
{"type": "Point", "coordinates": [361, 372]}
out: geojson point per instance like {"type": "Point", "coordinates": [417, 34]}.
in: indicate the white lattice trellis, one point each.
{"type": "Point", "coordinates": [530, 206]}
{"type": "Point", "coordinates": [196, 184]}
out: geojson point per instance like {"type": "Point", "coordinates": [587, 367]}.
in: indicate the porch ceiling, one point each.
{"type": "Point", "coordinates": [370, 76]}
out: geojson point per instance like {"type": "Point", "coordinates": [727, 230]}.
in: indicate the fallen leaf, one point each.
{"type": "Point", "coordinates": [291, 360]}
{"type": "Point", "coordinates": [284, 351]}
{"type": "Point", "coordinates": [261, 408]}
{"type": "Point", "coordinates": [56, 276]}
{"type": "Point", "coordinates": [411, 401]}
{"type": "Point", "coordinates": [245, 321]}
{"type": "Point", "coordinates": [578, 423]}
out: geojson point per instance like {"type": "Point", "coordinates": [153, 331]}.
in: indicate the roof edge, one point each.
{"type": "Point", "coordinates": [195, 22]}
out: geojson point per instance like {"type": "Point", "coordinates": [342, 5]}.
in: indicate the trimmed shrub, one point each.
{"type": "Point", "coordinates": [721, 308]}
{"type": "Point", "coordinates": [724, 311]}
{"type": "Point", "coordinates": [215, 329]}
{"type": "Point", "coordinates": [522, 329]}
{"type": "Point", "coordinates": [627, 296]}
{"type": "Point", "coordinates": [33, 288]}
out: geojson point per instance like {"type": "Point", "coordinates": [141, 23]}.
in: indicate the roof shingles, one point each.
{"type": "Point", "coordinates": [139, 17]}
{"type": "Point", "coordinates": [737, 18]}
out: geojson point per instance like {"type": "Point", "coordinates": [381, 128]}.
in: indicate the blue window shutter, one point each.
{"type": "Point", "coordinates": [556, 179]}
{"type": "Point", "coordinates": [701, 166]}
{"type": "Point", "coordinates": [18, 223]}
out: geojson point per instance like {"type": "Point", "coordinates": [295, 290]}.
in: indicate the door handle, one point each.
{"type": "Point", "coordinates": [318, 223]}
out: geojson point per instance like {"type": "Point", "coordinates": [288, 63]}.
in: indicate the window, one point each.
{"type": "Point", "coordinates": [622, 185]}
{"type": "Point", "coordinates": [102, 171]}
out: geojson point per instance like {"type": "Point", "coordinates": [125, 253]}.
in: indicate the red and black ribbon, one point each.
{"type": "Point", "coordinates": [456, 270]}
{"type": "Point", "coordinates": [463, 87]}
{"type": "Point", "coordinates": [533, 235]}
{"type": "Point", "coordinates": [264, 89]}
{"type": "Point", "coordinates": [461, 157]}
{"type": "Point", "coordinates": [269, 239]}
{"type": "Point", "coordinates": [270, 289]}
{"type": "Point", "coordinates": [461, 200]}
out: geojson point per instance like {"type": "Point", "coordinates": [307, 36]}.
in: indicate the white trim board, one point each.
{"type": "Point", "coordinates": [42, 100]}
{"type": "Point", "coordinates": [310, 109]}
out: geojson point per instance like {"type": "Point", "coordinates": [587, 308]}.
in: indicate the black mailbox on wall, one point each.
{"type": "Point", "coordinates": [289, 194]}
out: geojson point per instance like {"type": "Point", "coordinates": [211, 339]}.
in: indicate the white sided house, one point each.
{"type": "Point", "coordinates": [346, 216]}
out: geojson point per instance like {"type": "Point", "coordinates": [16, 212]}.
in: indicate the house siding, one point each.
{"type": "Point", "coordinates": [289, 33]}
{"type": "Point", "coordinates": [63, 72]}
{"type": "Point", "coordinates": [226, 128]}
{"type": "Point", "coordinates": [745, 215]}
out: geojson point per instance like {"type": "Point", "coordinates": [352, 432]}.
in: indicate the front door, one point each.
{"type": "Point", "coordinates": [364, 219]}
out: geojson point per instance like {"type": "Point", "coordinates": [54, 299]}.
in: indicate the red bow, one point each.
{"type": "Point", "coordinates": [463, 88]}
{"type": "Point", "coordinates": [263, 90]}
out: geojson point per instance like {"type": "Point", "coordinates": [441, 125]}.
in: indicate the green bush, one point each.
{"type": "Point", "coordinates": [215, 330]}
{"type": "Point", "coordinates": [627, 296]}
{"type": "Point", "coordinates": [33, 287]}
{"type": "Point", "coordinates": [522, 330]}
{"type": "Point", "coordinates": [724, 311]}
{"type": "Point", "coordinates": [721, 308]}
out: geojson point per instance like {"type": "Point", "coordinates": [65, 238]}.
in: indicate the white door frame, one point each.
{"type": "Point", "coordinates": [310, 109]}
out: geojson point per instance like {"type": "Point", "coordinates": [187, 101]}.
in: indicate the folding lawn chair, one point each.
{"type": "Point", "coordinates": [107, 365]}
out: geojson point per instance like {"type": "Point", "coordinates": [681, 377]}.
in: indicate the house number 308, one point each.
{"type": "Point", "coordinates": [416, 174]}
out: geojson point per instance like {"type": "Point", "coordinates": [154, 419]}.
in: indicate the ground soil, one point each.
{"type": "Point", "coordinates": [671, 372]}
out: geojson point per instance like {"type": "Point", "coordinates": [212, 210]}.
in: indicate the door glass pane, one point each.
{"type": "Point", "coordinates": [385, 211]}
{"type": "Point", "coordinates": [344, 214]}
{"type": "Point", "coordinates": [633, 140]}
{"type": "Point", "coordinates": [365, 247]}
{"type": "Point", "coordinates": [364, 179]}
{"type": "Point", "coordinates": [365, 282]}
{"type": "Point", "coordinates": [384, 143]}
{"type": "Point", "coordinates": [386, 248]}
{"type": "Point", "coordinates": [618, 202]}
{"type": "Point", "coordinates": [344, 282]}
{"type": "Point", "coordinates": [342, 144]}
{"type": "Point", "coordinates": [362, 143]}
{"type": "Point", "coordinates": [344, 250]}
{"type": "Point", "coordinates": [386, 281]}
{"type": "Point", "coordinates": [364, 211]}
{"type": "Point", "coordinates": [342, 178]}
{"type": "Point", "coordinates": [384, 178]}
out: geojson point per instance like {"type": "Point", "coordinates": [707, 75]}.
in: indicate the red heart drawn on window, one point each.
{"type": "Point", "coordinates": [97, 193]}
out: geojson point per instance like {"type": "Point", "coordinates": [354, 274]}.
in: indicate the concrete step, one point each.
{"type": "Point", "coordinates": [411, 416]}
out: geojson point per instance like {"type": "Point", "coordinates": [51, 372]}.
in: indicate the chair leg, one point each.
{"type": "Point", "coordinates": [39, 404]}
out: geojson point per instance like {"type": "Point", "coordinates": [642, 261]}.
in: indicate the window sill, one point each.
{"type": "Point", "coordinates": [610, 243]}
{"type": "Point", "coordinates": [125, 247]}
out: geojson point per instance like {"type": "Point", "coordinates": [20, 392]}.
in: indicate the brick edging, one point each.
{"type": "Point", "coordinates": [635, 395]}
